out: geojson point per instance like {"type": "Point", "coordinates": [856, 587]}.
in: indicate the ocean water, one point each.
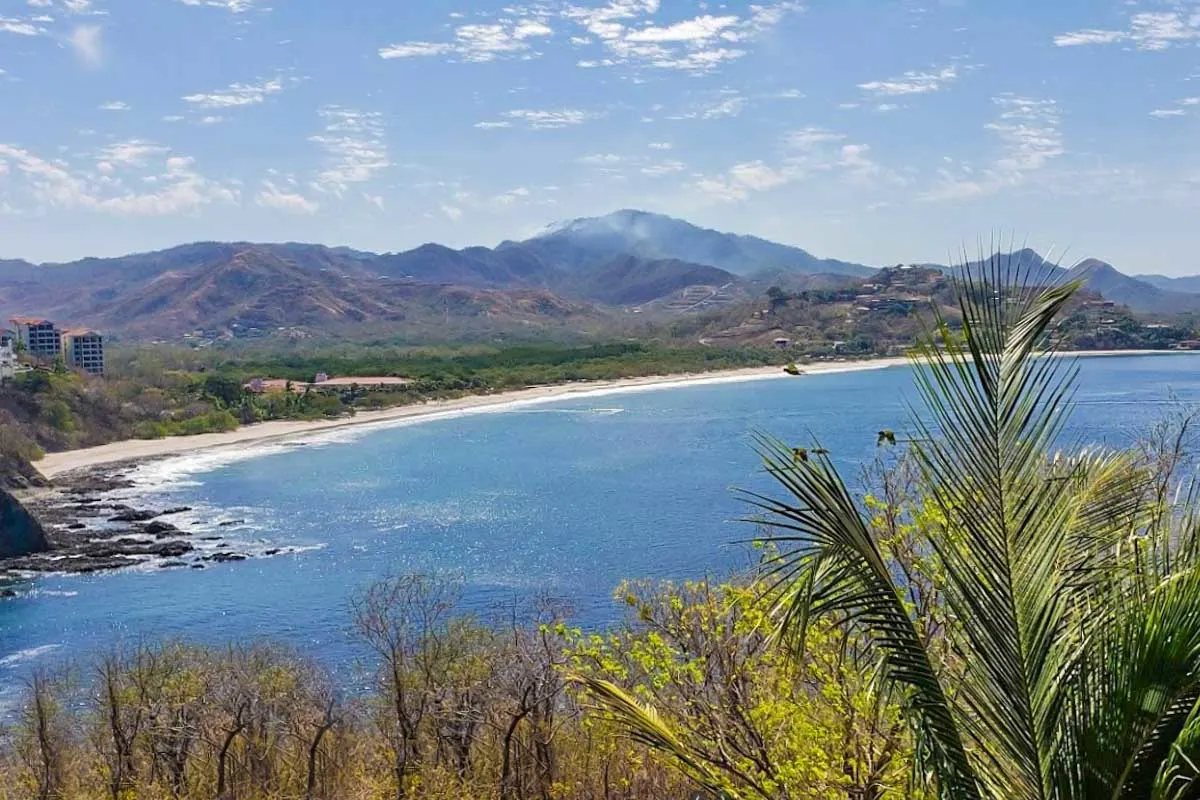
{"type": "Point", "coordinates": [563, 499]}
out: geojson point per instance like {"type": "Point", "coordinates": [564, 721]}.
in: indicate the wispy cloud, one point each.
{"type": "Point", "coordinates": [237, 94]}
{"type": "Point", "coordinates": [479, 42]}
{"type": "Point", "coordinates": [114, 105]}
{"type": "Point", "coordinates": [232, 6]}
{"type": "Point", "coordinates": [807, 152]}
{"type": "Point", "coordinates": [913, 82]}
{"type": "Point", "coordinates": [728, 105]}
{"type": "Point", "coordinates": [1179, 110]}
{"type": "Point", "coordinates": [1029, 138]}
{"type": "Point", "coordinates": [354, 146]}
{"type": "Point", "coordinates": [174, 184]}
{"type": "Point", "coordinates": [88, 43]}
{"type": "Point", "coordinates": [551, 119]}
{"type": "Point", "coordinates": [699, 44]}
{"type": "Point", "coordinates": [293, 202]}
{"type": "Point", "coordinates": [20, 27]}
{"type": "Point", "coordinates": [1147, 30]}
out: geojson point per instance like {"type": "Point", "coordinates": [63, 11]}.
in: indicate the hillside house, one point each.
{"type": "Point", "coordinates": [83, 349]}
{"type": "Point", "coordinates": [8, 360]}
{"type": "Point", "coordinates": [40, 337]}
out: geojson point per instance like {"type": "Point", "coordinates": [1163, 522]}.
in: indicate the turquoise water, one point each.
{"type": "Point", "coordinates": [565, 498]}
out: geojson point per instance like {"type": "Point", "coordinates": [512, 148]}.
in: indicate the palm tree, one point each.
{"type": "Point", "coordinates": [1069, 582]}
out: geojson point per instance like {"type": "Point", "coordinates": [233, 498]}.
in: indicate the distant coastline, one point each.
{"type": "Point", "coordinates": [132, 450]}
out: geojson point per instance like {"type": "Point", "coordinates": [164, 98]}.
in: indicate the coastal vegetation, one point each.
{"type": "Point", "coordinates": [1033, 614]}
{"type": "Point", "coordinates": [152, 392]}
{"type": "Point", "coordinates": [455, 707]}
{"type": "Point", "coordinates": [981, 614]}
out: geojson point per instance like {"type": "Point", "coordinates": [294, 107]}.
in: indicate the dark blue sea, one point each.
{"type": "Point", "coordinates": [563, 499]}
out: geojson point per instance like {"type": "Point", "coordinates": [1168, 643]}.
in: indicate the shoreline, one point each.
{"type": "Point", "coordinates": [130, 451]}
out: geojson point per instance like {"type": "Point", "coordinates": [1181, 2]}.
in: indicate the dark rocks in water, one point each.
{"type": "Point", "coordinates": [172, 564]}
{"type": "Point", "coordinates": [75, 526]}
{"type": "Point", "coordinates": [8, 593]}
{"type": "Point", "coordinates": [197, 566]}
{"type": "Point", "coordinates": [274, 551]}
{"type": "Point", "coordinates": [221, 558]}
{"type": "Point", "coordinates": [176, 510]}
{"type": "Point", "coordinates": [230, 523]}
{"type": "Point", "coordinates": [158, 528]}
{"type": "Point", "coordinates": [20, 533]}
{"type": "Point", "coordinates": [101, 556]}
{"type": "Point", "coordinates": [134, 515]}
{"type": "Point", "coordinates": [92, 483]}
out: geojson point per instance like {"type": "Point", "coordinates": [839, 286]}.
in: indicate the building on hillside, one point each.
{"type": "Point", "coordinates": [7, 337]}
{"type": "Point", "coordinates": [83, 349]}
{"type": "Point", "coordinates": [40, 337]}
{"type": "Point", "coordinates": [8, 360]}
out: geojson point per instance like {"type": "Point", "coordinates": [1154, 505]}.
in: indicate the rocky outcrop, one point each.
{"type": "Point", "coordinates": [17, 473]}
{"type": "Point", "coordinates": [20, 533]}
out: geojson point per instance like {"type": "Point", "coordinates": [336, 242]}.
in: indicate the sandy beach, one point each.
{"type": "Point", "coordinates": [137, 449]}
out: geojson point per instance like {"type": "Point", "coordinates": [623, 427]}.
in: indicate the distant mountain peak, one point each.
{"type": "Point", "coordinates": [587, 241]}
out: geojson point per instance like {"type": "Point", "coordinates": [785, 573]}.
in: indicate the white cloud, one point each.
{"type": "Point", "coordinates": [1029, 137]}
{"type": "Point", "coordinates": [488, 126]}
{"type": "Point", "coordinates": [696, 45]}
{"type": "Point", "coordinates": [354, 146]}
{"type": "Point", "coordinates": [510, 197]}
{"type": "Point", "coordinates": [551, 120]}
{"type": "Point", "coordinates": [238, 94]}
{"type": "Point", "coordinates": [1088, 36]}
{"type": "Point", "coordinates": [20, 27]}
{"type": "Point", "coordinates": [1162, 113]}
{"type": "Point", "coordinates": [1148, 30]}
{"type": "Point", "coordinates": [663, 168]}
{"type": "Point", "coordinates": [232, 6]}
{"type": "Point", "coordinates": [1029, 129]}
{"type": "Point", "coordinates": [179, 187]}
{"type": "Point", "coordinates": [114, 105]}
{"type": "Point", "coordinates": [87, 42]}
{"type": "Point", "coordinates": [79, 7]}
{"type": "Point", "coordinates": [700, 29]}
{"type": "Point", "coordinates": [912, 82]}
{"type": "Point", "coordinates": [807, 152]}
{"type": "Point", "coordinates": [272, 196]}
{"type": "Point", "coordinates": [415, 50]}
{"type": "Point", "coordinates": [375, 200]}
{"type": "Point", "coordinates": [729, 105]}
{"type": "Point", "coordinates": [601, 159]}
{"type": "Point", "coordinates": [661, 146]}
{"type": "Point", "coordinates": [453, 213]}
{"type": "Point", "coordinates": [478, 42]}
{"type": "Point", "coordinates": [132, 152]}
{"type": "Point", "coordinates": [807, 139]}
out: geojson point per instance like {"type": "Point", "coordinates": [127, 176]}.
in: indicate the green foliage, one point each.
{"type": "Point", "coordinates": [458, 709]}
{"type": "Point", "coordinates": [209, 422]}
{"type": "Point", "coordinates": [1038, 612]}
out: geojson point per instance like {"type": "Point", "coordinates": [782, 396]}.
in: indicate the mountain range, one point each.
{"type": "Point", "coordinates": [575, 274]}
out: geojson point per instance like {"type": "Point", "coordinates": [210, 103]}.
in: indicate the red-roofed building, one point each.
{"type": "Point", "coordinates": [84, 349]}
{"type": "Point", "coordinates": [39, 336]}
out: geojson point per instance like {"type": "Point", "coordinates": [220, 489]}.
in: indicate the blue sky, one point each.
{"type": "Point", "coordinates": [874, 130]}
